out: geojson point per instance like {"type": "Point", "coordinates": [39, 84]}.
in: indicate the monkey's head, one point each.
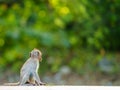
{"type": "Point", "coordinates": [35, 53]}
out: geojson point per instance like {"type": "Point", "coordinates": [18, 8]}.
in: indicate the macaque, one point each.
{"type": "Point", "coordinates": [29, 70]}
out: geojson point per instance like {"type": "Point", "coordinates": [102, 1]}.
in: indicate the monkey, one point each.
{"type": "Point", "coordinates": [29, 70]}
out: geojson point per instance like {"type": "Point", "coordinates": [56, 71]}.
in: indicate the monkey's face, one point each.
{"type": "Point", "coordinates": [35, 53]}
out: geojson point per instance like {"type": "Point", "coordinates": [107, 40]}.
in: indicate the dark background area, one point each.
{"type": "Point", "coordinates": [79, 39]}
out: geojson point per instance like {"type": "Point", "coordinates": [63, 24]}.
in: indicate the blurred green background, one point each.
{"type": "Point", "coordinates": [79, 39]}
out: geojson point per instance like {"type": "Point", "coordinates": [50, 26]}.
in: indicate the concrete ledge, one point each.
{"type": "Point", "coordinates": [59, 88]}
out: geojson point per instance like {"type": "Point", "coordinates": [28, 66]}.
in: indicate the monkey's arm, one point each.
{"type": "Point", "coordinates": [38, 79]}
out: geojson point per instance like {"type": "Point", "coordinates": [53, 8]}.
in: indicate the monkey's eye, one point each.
{"type": "Point", "coordinates": [37, 53]}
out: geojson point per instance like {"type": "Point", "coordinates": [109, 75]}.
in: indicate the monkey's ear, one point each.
{"type": "Point", "coordinates": [35, 49]}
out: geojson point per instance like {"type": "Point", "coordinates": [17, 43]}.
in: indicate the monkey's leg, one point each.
{"type": "Point", "coordinates": [32, 79]}
{"type": "Point", "coordinates": [24, 79]}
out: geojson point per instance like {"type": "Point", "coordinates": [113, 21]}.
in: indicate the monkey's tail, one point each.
{"type": "Point", "coordinates": [11, 84]}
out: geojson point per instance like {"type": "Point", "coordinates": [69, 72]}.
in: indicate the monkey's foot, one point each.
{"type": "Point", "coordinates": [42, 83]}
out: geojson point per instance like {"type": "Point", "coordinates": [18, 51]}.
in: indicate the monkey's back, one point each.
{"type": "Point", "coordinates": [29, 67]}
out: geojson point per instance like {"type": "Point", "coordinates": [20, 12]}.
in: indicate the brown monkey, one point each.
{"type": "Point", "coordinates": [29, 70]}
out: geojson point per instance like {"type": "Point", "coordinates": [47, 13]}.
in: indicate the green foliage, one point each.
{"type": "Point", "coordinates": [67, 32]}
